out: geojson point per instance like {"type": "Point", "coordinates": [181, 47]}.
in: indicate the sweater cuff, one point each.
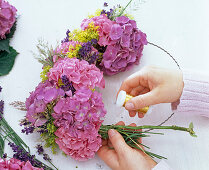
{"type": "Point", "coordinates": [195, 95]}
{"type": "Point", "coordinates": [162, 165]}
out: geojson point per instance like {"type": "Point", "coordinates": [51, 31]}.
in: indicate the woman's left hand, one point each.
{"type": "Point", "coordinates": [123, 157]}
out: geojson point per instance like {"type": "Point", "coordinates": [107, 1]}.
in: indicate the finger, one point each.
{"type": "Point", "coordinates": [132, 124]}
{"type": "Point", "coordinates": [143, 100]}
{"type": "Point", "coordinates": [120, 123]}
{"type": "Point", "coordinates": [109, 156]}
{"type": "Point", "coordinates": [110, 144]}
{"type": "Point", "coordinates": [118, 142]}
{"type": "Point", "coordinates": [132, 113]}
{"type": "Point", "coordinates": [145, 90]}
{"type": "Point", "coordinates": [140, 114]}
{"type": "Point", "coordinates": [136, 91]}
{"type": "Point", "coordinates": [131, 82]}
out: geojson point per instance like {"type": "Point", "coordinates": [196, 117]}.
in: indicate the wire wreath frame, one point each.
{"type": "Point", "coordinates": [165, 51]}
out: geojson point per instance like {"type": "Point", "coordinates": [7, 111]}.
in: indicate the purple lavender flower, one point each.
{"type": "Point", "coordinates": [105, 4]}
{"type": "Point", "coordinates": [40, 149]}
{"type": "Point", "coordinates": [4, 155]}
{"type": "Point", "coordinates": [28, 130]}
{"type": "Point", "coordinates": [108, 13]}
{"type": "Point", "coordinates": [66, 39]}
{"type": "Point", "coordinates": [1, 108]}
{"type": "Point", "coordinates": [24, 122]}
{"type": "Point", "coordinates": [22, 155]}
{"type": "Point", "coordinates": [94, 41]}
{"type": "Point", "coordinates": [86, 52]}
{"type": "Point", "coordinates": [68, 86]}
{"type": "Point", "coordinates": [46, 157]}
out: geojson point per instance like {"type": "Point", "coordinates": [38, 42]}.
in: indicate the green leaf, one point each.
{"type": "Point", "coordinates": [191, 126]}
{"type": "Point", "coordinates": [12, 31]}
{"type": "Point", "coordinates": [4, 45]}
{"type": "Point", "coordinates": [1, 146]}
{"type": "Point", "coordinates": [7, 61]}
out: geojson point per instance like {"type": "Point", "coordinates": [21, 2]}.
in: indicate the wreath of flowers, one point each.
{"type": "Point", "coordinates": [66, 108]}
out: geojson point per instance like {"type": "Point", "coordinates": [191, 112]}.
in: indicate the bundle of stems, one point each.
{"type": "Point", "coordinates": [132, 134]}
{"type": "Point", "coordinates": [7, 133]}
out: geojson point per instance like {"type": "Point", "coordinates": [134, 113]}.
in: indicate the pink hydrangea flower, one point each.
{"type": "Point", "coordinates": [104, 24]}
{"type": "Point", "coordinates": [127, 49]}
{"type": "Point", "coordinates": [7, 18]}
{"type": "Point", "coordinates": [82, 148]}
{"type": "Point", "coordinates": [80, 73]}
{"type": "Point", "coordinates": [78, 119]}
{"type": "Point", "coordinates": [36, 103]}
{"type": "Point", "coordinates": [14, 164]}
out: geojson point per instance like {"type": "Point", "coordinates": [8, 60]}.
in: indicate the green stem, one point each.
{"type": "Point", "coordinates": [53, 165]}
{"type": "Point", "coordinates": [125, 8]}
{"type": "Point", "coordinates": [15, 136]}
{"type": "Point", "coordinates": [173, 127]}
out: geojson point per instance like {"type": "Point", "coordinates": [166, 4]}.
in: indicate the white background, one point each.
{"type": "Point", "coordinates": [181, 27]}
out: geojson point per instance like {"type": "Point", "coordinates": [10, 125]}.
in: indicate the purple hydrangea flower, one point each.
{"type": "Point", "coordinates": [7, 18]}
{"type": "Point", "coordinates": [36, 104]}
{"type": "Point", "coordinates": [126, 46]}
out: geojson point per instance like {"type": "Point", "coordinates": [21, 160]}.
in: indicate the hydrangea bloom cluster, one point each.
{"type": "Point", "coordinates": [123, 40]}
{"type": "Point", "coordinates": [36, 104]}
{"type": "Point", "coordinates": [7, 18]}
{"type": "Point", "coordinates": [66, 109]}
{"type": "Point", "coordinates": [78, 120]}
{"type": "Point", "coordinates": [80, 73]}
{"type": "Point", "coordinates": [15, 164]}
{"type": "Point", "coordinates": [109, 39]}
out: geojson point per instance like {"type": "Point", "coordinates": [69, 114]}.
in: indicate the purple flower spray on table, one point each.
{"type": "Point", "coordinates": [22, 158]}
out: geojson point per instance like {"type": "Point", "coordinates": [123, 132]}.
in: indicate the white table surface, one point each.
{"type": "Point", "coordinates": [181, 27]}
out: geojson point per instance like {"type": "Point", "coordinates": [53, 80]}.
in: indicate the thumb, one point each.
{"type": "Point", "coordinates": [118, 142]}
{"type": "Point", "coordinates": [143, 100]}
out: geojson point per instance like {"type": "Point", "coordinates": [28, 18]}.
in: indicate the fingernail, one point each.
{"type": "Point", "coordinates": [111, 133]}
{"type": "Point", "coordinates": [129, 106]}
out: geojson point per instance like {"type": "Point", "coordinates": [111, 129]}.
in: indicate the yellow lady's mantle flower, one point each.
{"type": "Point", "coordinates": [44, 73]}
{"type": "Point", "coordinates": [85, 35]}
{"type": "Point", "coordinates": [74, 51]}
{"type": "Point", "coordinates": [97, 13]}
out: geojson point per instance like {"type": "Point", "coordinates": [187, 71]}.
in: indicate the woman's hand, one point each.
{"type": "Point", "coordinates": [123, 157]}
{"type": "Point", "coordinates": [152, 85]}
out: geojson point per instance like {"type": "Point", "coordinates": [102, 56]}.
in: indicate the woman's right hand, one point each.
{"type": "Point", "coordinates": [152, 85]}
